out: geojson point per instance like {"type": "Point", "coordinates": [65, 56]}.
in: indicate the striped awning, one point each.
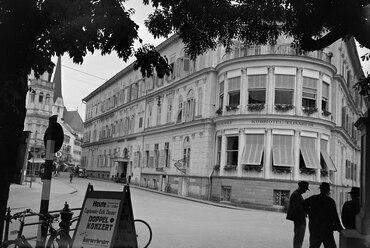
{"type": "Point", "coordinates": [252, 155]}
{"type": "Point", "coordinates": [327, 160]}
{"type": "Point", "coordinates": [282, 156]}
{"type": "Point", "coordinates": [309, 153]}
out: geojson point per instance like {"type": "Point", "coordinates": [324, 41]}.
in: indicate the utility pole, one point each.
{"type": "Point", "coordinates": [53, 140]}
{"type": "Point", "coordinates": [33, 161]}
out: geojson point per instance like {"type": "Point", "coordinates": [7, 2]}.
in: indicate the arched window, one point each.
{"type": "Point", "coordinates": [190, 106]}
{"type": "Point", "coordinates": [179, 111]}
{"type": "Point", "coordinates": [187, 151]}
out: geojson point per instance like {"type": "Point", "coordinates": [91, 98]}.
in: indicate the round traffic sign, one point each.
{"type": "Point", "coordinates": [58, 136]}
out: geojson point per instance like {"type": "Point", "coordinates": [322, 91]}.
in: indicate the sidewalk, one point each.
{"type": "Point", "coordinates": [23, 196]}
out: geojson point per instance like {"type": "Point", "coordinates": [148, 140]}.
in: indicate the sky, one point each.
{"type": "Point", "coordinates": [78, 81]}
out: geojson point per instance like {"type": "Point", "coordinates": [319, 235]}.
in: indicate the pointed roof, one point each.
{"type": "Point", "coordinates": [58, 80]}
{"type": "Point", "coordinates": [74, 120]}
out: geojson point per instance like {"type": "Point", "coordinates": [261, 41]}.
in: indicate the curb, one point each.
{"type": "Point", "coordinates": [181, 197]}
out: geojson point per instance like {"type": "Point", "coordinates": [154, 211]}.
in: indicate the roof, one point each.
{"type": "Point", "coordinates": [58, 80]}
{"type": "Point", "coordinates": [74, 120]}
{"type": "Point", "coordinates": [128, 69]}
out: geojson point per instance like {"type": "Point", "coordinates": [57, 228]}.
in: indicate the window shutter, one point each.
{"type": "Point", "coordinates": [169, 159]}
{"type": "Point", "coordinates": [161, 159]}
{"type": "Point", "coordinates": [144, 159]}
{"type": "Point", "coordinates": [178, 67]}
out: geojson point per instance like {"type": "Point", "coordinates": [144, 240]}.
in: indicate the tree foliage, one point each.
{"type": "Point", "coordinates": [314, 25]}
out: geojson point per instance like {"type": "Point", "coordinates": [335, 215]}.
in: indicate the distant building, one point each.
{"type": "Point", "coordinates": [242, 126]}
{"type": "Point", "coordinates": [45, 99]}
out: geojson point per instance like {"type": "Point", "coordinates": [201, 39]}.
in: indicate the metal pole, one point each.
{"type": "Point", "coordinates": [44, 206]}
{"type": "Point", "coordinates": [33, 160]}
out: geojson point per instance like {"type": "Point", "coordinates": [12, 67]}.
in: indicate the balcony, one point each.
{"type": "Point", "coordinates": [281, 49]}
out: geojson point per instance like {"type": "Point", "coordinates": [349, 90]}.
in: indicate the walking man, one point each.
{"type": "Point", "coordinates": [323, 218]}
{"type": "Point", "coordinates": [351, 209]}
{"type": "Point", "coordinates": [297, 214]}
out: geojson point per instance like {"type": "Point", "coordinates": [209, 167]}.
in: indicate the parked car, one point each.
{"type": "Point", "coordinates": [82, 173]}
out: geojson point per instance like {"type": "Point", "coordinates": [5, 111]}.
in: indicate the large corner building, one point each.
{"type": "Point", "coordinates": [241, 127]}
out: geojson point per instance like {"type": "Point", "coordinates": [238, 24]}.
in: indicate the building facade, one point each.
{"type": "Point", "coordinates": [44, 99]}
{"type": "Point", "coordinates": [240, 126]}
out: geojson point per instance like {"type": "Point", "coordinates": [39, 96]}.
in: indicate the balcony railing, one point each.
{"type": "Point", "coordinates": [281, 49]}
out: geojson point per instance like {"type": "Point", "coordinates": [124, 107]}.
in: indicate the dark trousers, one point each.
{"type": "Point", "coordinates": [299, 231]}
{"type": "Point", "coordinates": [327, 238]}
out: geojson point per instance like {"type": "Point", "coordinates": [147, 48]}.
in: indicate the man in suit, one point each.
{"type": "Point", "coordinates": [297, 214]}
{"type": "Point", "coordinates": [351, 209]}
{"type": "Point", "coordinates": [323, 217]}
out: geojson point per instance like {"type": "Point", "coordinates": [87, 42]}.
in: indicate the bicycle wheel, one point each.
{"type": "Point", "coordinates": [14, 244]}
{"type": "Point", "coordinates": [143, 233]}
{"type": "Point", "coordinates": [59, 240]}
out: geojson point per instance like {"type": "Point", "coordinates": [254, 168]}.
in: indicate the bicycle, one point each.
{"type": "Point", "coordinates": [21, 240]}
{"type": "Point", "coordinates": [143, 233]}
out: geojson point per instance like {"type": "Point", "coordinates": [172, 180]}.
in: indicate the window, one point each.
{"type": "Point", "coordinates": [281, 197]}
{"type": "Point", "coordinates": [257, 89]}
{"type": "Point", "coordinates": [167, 154]}
{"type": "Point", "coordinates": [325, 96]}
{"type": "Point", "coordinates": [187, 150]}
{"type": "Point", "coordinates": [284, 89]}
{"type": "Point", "coordinates": [190, 106]}
{"type": "Point", "coordinates": [47, 99]}
{"type": "Point", "coordinates": [234, 91]}
{"type": "Point", "coordinates": [134, 91]}
{"type": "Point", "coordinates": [150, 112]}
{"type": "Point", "coordinates": [354, 172]}
{"type": "Point", "coordinates": [140, 122]}
{"type": "Point", "coordinates": [169, 108]}
{"type": "Point", "coordinates": [156, 155]}
{"type": "Point", "coordinates": [226, 193]}
{"type": "Point", "coordinates": [232, 150]}
{"type": "Point", "coordinates": [179, 111]}
{"type": "Point", "coordinates": [32, 94]}
{"type": "Point", "coordinates": [309, 92]}
{"type": "Point", "coordinates": [200, 101]}
{"type": "Point", "coordinates": [221, 99]}
{"type": "Point", "coordinates": [348, 173]}
{"type": "Point", "coordinates": [159, 114]}
{"type": "Point", "coordinates": [41, 97]}
{"type": "Point", "coordinates": [218, 159]}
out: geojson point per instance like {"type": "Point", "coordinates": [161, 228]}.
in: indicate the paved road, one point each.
{"type": "Point", "coordinates": [175, 222]}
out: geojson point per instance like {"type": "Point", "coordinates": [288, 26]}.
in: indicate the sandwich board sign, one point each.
{"type": "Point", "coordinates": [106, 220]}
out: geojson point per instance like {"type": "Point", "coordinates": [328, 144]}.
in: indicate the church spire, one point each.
{"type": "Point", "coordinates": [58, 80]}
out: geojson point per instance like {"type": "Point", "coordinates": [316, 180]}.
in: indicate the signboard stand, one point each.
{"type": "Point", "coordinates": [106, 220]}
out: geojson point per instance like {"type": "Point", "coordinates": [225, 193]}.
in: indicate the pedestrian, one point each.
{"type": "Point", "coordinates": [323, 218]}
{"type": "Point", "coordinates": [71, 176]}
{"type": "Point", "coordinates": [297, 214]}
{"type": "Point", "coordinates": [351, 209]}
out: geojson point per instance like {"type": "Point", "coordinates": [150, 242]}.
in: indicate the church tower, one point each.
{"type": "Point", "coordinates": [58, 107]}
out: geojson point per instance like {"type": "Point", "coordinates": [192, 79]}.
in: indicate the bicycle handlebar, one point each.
{"type": "Point", "coordinates": [29, 212]}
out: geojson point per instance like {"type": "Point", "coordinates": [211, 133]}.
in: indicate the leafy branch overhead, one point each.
{"type": "Point", "coordinates": [313, 24]}
{"type": "Point", "coordinates": [148, 59]}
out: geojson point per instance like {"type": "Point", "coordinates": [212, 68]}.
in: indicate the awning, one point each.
{"type": "Point", "coordinates": [282, 156]}
{"type": "Point", "coordinates": [252, 155]}
{"type": "Point", "coordinates": [36, 160]}
{"type": "Point", "coordinates": [327, 160]}
{"type": "Point", "coordinates": [310, 159]}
